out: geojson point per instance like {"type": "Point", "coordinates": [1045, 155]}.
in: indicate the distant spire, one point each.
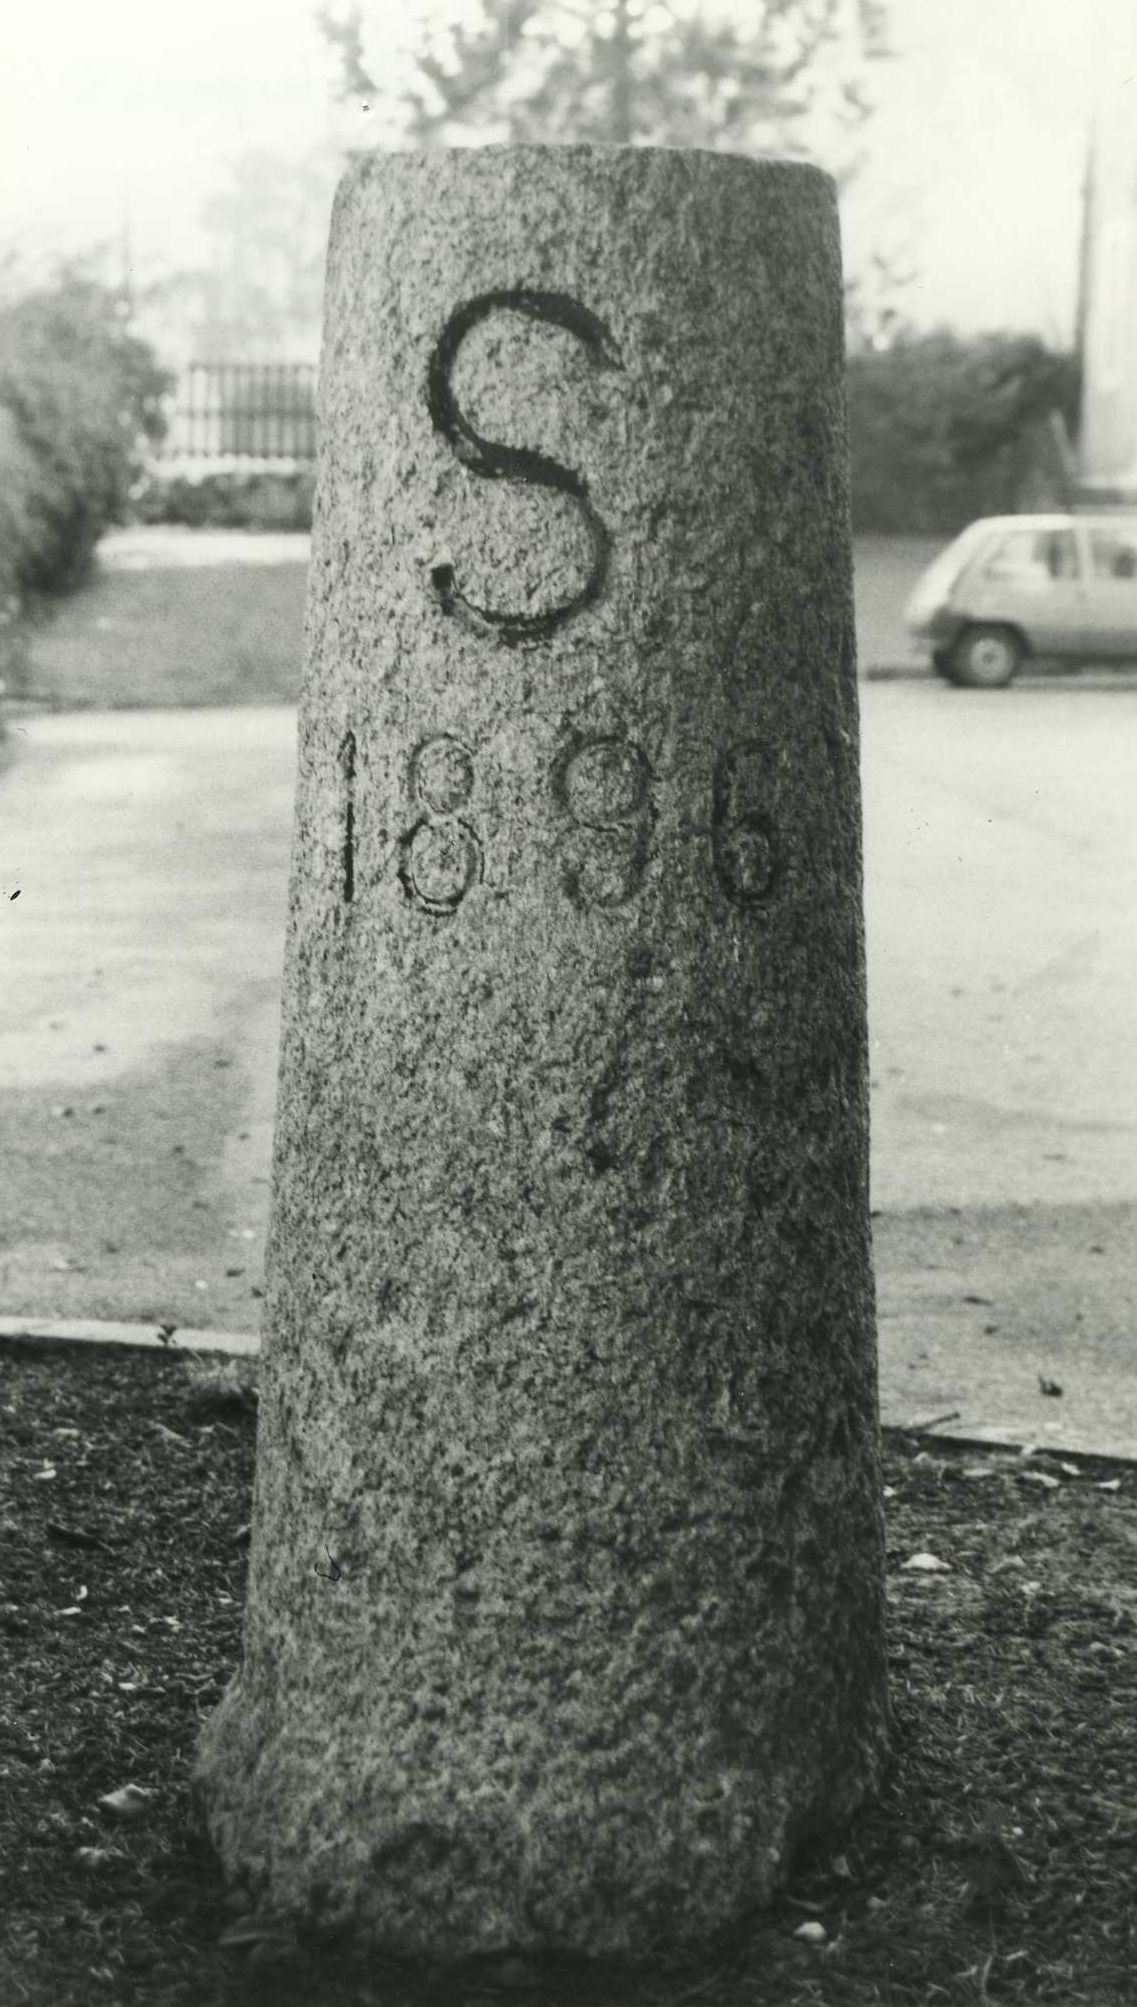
{"type": "Point", "coordinates": [126, 254]}
{"type": "Point", "coordinates": [1085, 246]}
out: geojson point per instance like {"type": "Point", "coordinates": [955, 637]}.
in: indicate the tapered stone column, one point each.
{"type": "Point", "coordinates": [565, 1592]}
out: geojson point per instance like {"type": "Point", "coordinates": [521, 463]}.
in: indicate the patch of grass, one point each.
{"type": "Point", "coordinates": [996, 1866]}
{"type": "Point", "coordinates": [185, 635]}
{"type": "Point", "coordinates": [230, 633]}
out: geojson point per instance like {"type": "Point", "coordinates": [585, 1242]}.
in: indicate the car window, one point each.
{"type": "Point", "coordinates": [1113, 554]}
{"type": "Point", "coordinates": [1032, 557]}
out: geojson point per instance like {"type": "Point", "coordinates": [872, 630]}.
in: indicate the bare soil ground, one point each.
{"type": "Point", "coordinates": [997, 1866]}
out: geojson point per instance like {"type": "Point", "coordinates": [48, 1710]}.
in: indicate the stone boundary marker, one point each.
{"type": "Point", "coordinates": [565, 1612]}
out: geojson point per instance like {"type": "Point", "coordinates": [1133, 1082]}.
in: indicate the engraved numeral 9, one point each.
{"type": "Point", "coordinates": [602, 785]}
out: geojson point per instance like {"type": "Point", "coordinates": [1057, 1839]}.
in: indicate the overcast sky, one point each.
{"type": "Point", "coordinates": [115, 109]}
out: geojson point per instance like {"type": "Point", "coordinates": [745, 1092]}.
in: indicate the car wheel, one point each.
{"type": "Point", "coordinates": [941, 662]}
{"type": "Point", "coordinates": [985, 658]}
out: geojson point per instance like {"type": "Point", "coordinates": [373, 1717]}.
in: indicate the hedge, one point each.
{"type": "Point", "coordinates": [80, 397]}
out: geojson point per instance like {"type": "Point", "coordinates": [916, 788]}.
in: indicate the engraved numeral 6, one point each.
{"type": "Point", "coordinates": [747, 855]}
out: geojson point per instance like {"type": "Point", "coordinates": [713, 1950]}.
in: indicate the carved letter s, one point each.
{"type": "Point", "coordinates": [495, 462]}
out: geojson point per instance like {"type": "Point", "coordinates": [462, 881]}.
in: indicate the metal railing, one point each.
{"type": "Point", "coordinates": [243, 411]}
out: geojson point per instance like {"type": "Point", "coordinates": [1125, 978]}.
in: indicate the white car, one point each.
{"type": "Point", "coordinates": [1058, 587]}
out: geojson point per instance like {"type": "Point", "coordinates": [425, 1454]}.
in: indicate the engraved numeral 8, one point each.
{"type": "Point", "coordinates": [441, 855]}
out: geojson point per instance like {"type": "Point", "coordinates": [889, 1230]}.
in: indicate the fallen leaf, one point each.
{"type": "Point", "coordinates": [251, 1930]}
{"type": "Point", "coordinates": [1050, 1387]}
{"type": "Point", "coordinates": [1108, 1484]}
{"type": "Point", "coordinates": [1039, 1477]}
{"type": "Point", "coordinates": [47, 1471]}
{"type": "Point", "coordinates": [927, 1564]}
{"type": "Point", "coordinates": [171, 1435]}
{"type": "Point", "coordinates": [840, 1866]}
{"type": "Point", "coordinates": [129, 1802]}
{"type": "Point", "coordinates": [74, 1536]}
{"type": "Point", "coordinates": [812, 1933]}
{"type": "Point", "coordinates": [93, 1857]}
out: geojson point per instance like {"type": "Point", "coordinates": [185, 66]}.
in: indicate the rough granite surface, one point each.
{"type": "Point", "coordinates": [565, 1600]}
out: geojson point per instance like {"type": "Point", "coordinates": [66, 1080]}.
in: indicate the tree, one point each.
{"type": "Point", "coordinates": [260, 292]}
{"type": "Point", "coordinates": [946, 428]}
{"type": "Point", "coordinates": [631, 72]}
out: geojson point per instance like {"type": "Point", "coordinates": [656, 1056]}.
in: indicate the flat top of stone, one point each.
{"type": "Point", "coordinates": [365, 164]}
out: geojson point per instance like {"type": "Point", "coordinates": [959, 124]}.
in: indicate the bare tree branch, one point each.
{"type": "Point", "coordinates": [631, 71]}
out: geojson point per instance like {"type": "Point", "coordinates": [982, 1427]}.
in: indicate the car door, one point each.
{"type": "Point", "coordinates": [1111, 610]}
{"type": "Point", "coordinates": [1030, 578]}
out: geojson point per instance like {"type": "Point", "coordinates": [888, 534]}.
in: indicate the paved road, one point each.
{"type": "Point", "coordinates": [138, 1011]}
{"type": "Point", "coordinates": [138, 1032]}
{"type": "Point", "coordinates": [1001, 899]}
